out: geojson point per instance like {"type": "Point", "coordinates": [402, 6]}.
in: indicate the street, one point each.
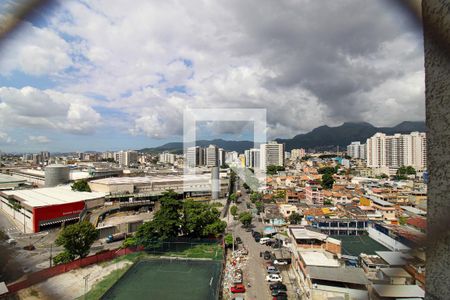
{"type": "Point", "coordinates": [255, 270]}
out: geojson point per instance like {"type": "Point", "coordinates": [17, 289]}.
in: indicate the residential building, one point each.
{"type": "Point", "coordinates": [297, 153]}
{"type": "Point", "coordinates": [167, 157]}
{"type": "Point", "coordinates": [195, 156]}
{"type": "Point", "coordinates": [313, 193]}
{"type": "Point", "coordinates": [222, 156]}
{"type": "Point", "coordinates": [126, 158]}
{"type": "Point", "coordinates": [253, 158]}
{"type": "Point", "coordinates": [212, 156]}
{"type": "Point", "coordinates": [356, 150]}
{"type": "Point", "coordinates": [271, 154]}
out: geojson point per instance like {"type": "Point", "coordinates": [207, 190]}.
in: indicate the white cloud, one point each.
{"type": "Point", "coordinates": [34, 51]}
{"type": "Point", "coordinates": [39, 139]}
{"type": "Point", "coordinates": [34, 108]}
{"type": "Point", "coordinates": [5, 138]}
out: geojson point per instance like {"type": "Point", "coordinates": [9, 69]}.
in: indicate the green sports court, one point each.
{"type": "Point", "coordinates": [168, 279]}
{"type": "Point", "coordinates": [357, 244]}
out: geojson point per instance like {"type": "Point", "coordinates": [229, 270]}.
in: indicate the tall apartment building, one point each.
{"type": "Point", "coordinates": [397, 150]}
{"type": "Point", "coordinates": [195, 156]}
{"type": "Point", "coordinates": [297, 153]}
{"type": "Point", "coordinates": [356, 150]}
{"type": "Point", "coordinates": [222, 156]}
{"type": "Point", "coordinates": [231, 156]}
{"type": "Point", "coordinates": [253, 158]}
{"type": "Point", "coordinates": [271, 154]}
{"type": "Point", "coordinates": [126, 158]}
{"type": "Point", "coordinates": [212, 156]}
{"type": "Point", "coordinates": [167, 157]}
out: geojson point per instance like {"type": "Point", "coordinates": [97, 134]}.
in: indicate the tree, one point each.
{"type": "Point", "coordinates": [77, 239]}
{"type": "Point", "coordinates": [233, 197]}
{"type": "Point", "coordinates": [228, 240]}
{"type": "Point", "coordinates": [272, 169]}
{"type": "Point", "coordinates": [259, 206]}
{"type": "Point", "coordinates": [201, 220]}
{"type": "Point", "coordinates": [255, 197]}
{"type": "Point", "coordinates": [234, 210]}
{"type": "Point", "coordinates": [327, 181]}
{"type": "Point", "coordinates": [81, 186]}
{"type": "Point", "coordinates": [295, 218]}
{"type": "Point", "coordinates": [245, 218]}
{"type": "Point", "coordinates": [63, 258]}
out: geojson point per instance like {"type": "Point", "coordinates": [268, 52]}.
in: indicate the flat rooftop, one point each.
{"type": "Point", "coordinates": [51, 196]}
{"type": "Point", "coordinates": [398, 291]}
{"type": "Point", "coordinates": [394, 258]}
{"type": "Point", "coordinates": [318, 259]}
{"type": "Point", "coordinates": [345, 275]}
{"type": "Point", "coordinates": [151, 179]}
{"type": "Point", "coordinates": [4, 178]}
{"type": "Point", "coordinates": [304, 234]}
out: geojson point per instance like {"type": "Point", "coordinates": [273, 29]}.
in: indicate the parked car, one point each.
{"type": "Point", "coordinates": [282, 261]}
{"type": "Point", "coordinates": [238, 288]}
{"type": "Point", "coordinates": [280, 297]}
{"type": "Point", "coordinates": [267, 255]}
{"type": "Point", "coordinates": [255, 233]}
{"type": "Point", "coordinates": [274, 278]}
{"type": "Point", "coordinates": [264, 240]}
{"type": "Point", "coordinates": [272, 270]}
{"type": "Point", "coordinates": [11, 241]}
{"type": "Point", "coordinates": [238, 240]}
{"type": "Point", "coordinates": [278, 292]}
{"type": "Point", "coordinates": [277, 286]}
{"type": "Point", "coordinates": [257, 239]}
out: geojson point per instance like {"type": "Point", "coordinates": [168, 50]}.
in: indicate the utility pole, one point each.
{"type": "Point", "coordinates": [86, 285]}
{"type": "Point", "coordinates": [51, 253]}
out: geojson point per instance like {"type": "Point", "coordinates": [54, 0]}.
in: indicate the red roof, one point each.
{"type": "Point", "coordinates": [417, 222]}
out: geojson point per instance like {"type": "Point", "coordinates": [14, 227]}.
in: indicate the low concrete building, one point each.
{"type": "Point", "coordinates": [8, 182]}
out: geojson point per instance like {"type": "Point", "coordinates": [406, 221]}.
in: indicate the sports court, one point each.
{"type": "Point", "coordinates": [356, 244]}
{"type": "Point", "coordinates": [168, 279]}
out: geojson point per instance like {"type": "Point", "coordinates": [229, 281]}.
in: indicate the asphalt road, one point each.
{"type": "Point", "coordinates": [255, 271]}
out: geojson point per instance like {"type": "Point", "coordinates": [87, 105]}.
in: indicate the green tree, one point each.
{"type": "Point", "coordinates": [234, 210]}
{"type": "Point", "coordinates": [259, 206]}
{"type": "Point", "coordinates": [255, 197]}
{"type": "Point", "coordinates": [327, 181]}
{"type": "Point", "coordinates": [201, 220]}
{"type": "Point", "coordinates": [272, 169]}
{"type": "Point", "coordinates": [77, 239]}
{"type": "Point", "coordinates": [233, 197]}
{"type": "Point", "coordinates": [63, 258]}
{"type": "Point", "coordinates": [245, 218]}
{"type": "Point", "coordinates": [81, 186]}
{"type": "Point", "coordinates": [295, 218]}
{"type": "Point", "coordinates": [228, 240]}
{"type": "Point", "coordinates": [327, 170]}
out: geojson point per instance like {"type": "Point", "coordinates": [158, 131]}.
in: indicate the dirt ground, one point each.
{"type": "Point", "coordinates": [70, 285]}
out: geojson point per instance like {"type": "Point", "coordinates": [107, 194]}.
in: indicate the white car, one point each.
{"type": "Point", "coordinates": [264, 240]}
{"type": "Point", "coordinates": [280, 262]}
{"type": "Point", "coordinates": [274, 278]}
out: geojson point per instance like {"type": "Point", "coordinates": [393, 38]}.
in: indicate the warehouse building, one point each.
{"type": "Point", "coordinates": [8, 182]}
{"type": "Point", "coordinates": [43, 208]}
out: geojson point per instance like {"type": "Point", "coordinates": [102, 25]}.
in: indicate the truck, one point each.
{"type": "Point", "coordinates": [116, 237]}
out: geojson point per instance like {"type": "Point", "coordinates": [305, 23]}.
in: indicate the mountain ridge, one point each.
{"type": "Point", "coordinates": [320, 138]}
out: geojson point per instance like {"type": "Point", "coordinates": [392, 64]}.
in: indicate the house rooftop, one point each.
{"type": "Point", "coordinates": [318, 258]}
{"type": "Point", "coordinates": [393, 258]}
{"type": "Point", "coordinates": [346, 275]}
{"type": "Point", "coordinates": [398, 291]}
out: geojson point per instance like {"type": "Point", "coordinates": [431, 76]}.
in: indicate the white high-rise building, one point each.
{"type": "Point", "coordinates": [297, 153]}
{"type": "Point", "coordinates": [126, 158]}
{"type": "Point", "coordinates": [222, 157]}
{"type": "Point", "coordinates": [397, 150]}
{"type": "Point", "coordinates": [212, 156]}
{"type": "Point", "coordinates": [253, 158]}
{"type": "Point", "coordinates": [271, 154]}
{"type": "Point", "coordinates": [231, 156]}
{"type": "Point", "coordinates": [167, 157]}
{"type": "Point", "coordinates": [356, 150]}
{"type": "Point", "coordinates": [195, 156]}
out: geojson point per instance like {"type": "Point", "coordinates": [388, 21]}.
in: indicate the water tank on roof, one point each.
{"type": "Point", "coordinates": [56, 175]}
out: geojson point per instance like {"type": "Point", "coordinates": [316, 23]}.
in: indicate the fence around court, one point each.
{"type": "Point", "coordinates": [188, 248]}
{"type": "Point", "coordinates": [42, 275]}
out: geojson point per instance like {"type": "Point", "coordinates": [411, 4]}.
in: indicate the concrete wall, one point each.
{"type": "Point", "coordinates": [436, 22]}
{"type": "Point", "coordinates": [18, 216]}
{"type": "Point", "coordinates": [385, 240]}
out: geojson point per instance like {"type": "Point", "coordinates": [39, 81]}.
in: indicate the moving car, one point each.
{"type": "Point", "coordinates": [274, 278]}
{"type": "Point", "coordinates": [277, 286]}
{"type": "Point", "coordinates": [272, 270]}
{"type": "Point", "coordinates": [238, 288]}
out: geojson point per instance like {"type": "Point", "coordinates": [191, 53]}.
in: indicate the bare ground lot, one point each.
{"type": "Point", "coordinates": [71, 285]}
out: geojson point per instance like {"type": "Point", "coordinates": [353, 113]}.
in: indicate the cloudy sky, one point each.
{"type": "Point", "coordinates": [97, 75]}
